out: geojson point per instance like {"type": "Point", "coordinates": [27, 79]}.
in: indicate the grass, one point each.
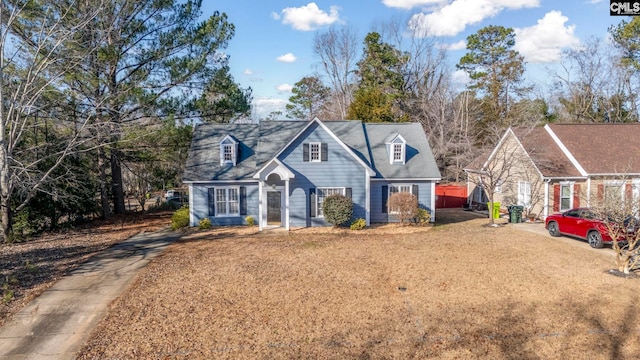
{"type": "Point", "coordinates": [458, 291]}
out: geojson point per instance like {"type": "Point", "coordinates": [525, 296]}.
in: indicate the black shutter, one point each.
{"type": "Point", "coordinates": [385, 197]}
{"type": "Point", "coordinates": [414, 191]}
{"type": "Point", "coordinates": [347, 192]}
{"type": "Point", "coordinates": [212, 202]}
{"type": "Point", "coordinates": [305, 152]}
{"type": "Point", "coordinates": [312, 202]}
{"type": "Point", "coordinates": [243, 200]}
{"type": "Point", "coordinates": [324, 152]}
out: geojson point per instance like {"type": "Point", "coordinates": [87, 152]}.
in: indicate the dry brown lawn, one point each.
{"type": "Point", "coordinates": [456, 291]}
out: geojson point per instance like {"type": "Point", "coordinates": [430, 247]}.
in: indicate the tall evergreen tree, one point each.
{"type": "Point", "coordinates": [309, 95]}
{"type": "Point", "coordinates": [380, 82]}
{"type": "Point", "coordinates": [148, 51]}
{"type": "Point", "coordinates": [496, 71]}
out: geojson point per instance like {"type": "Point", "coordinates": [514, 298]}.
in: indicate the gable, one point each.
{"type": "Point", "coordinates": [317, 145]}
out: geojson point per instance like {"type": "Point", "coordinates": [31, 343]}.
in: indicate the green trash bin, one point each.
{"type": "Point", "coordinates": [496, 209]}
{"type": "Point", "coordinates": [515, 213]}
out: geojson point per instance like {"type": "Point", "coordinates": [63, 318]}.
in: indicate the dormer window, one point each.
{"type": "Point", "coordinates": [397, 147]}
{"type": "Point", "coordinates": [398, 152]}
{"type": "Point", "coordinates": [228, 151]}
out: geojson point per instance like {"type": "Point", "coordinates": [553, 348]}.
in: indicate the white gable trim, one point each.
{"type": "Point", "coordinates": [527, 154]}
{"type": "Point", "coordinates": [565, 150]}
{"type": "Point", "coordinates": [336, 138]}
{"type": "Point", "coordinates": [274, 166]}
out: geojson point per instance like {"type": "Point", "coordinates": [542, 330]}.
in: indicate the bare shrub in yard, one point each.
{"type": "Point", "coordinates": [337, 209]}
{"type": "Point", "coordinates": [403, 205]}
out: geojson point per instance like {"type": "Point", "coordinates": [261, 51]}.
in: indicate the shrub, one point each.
{"type": "Point", "coordinates": [403, 205]}
{"type": "Point", "coordinates": [358, 224]}
{"type": "Point", "coordinates": [337, 209]}
{"type": "Point", "coordinates": [250, 221]}
{"type": "Point", "coordinates": [180, 218]}
{"type": "Point", "coordinates": [422, 217]}
{"type": "Point", "coordinates": [204, 224]}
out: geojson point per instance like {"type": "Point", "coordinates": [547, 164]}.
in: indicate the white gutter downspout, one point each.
{"type": "Point", "coordinates": [545, 211]}
{"type": "Point", "coordinates": [589, 191]}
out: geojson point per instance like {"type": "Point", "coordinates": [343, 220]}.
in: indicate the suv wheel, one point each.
{"type": "Point", "coordinates": [595, 239]}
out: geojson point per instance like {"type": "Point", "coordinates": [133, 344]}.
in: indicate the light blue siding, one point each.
{"type": "Point", "coordinates": [425, 189]}
{"type": "Point", "coordinates": [340, 170]}
{"type": "Point", "coordinates": [200, 204]}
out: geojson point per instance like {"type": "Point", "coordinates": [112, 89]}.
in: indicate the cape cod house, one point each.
{"type": "Point", "coordinates": [279, 172]}
{"type": "Point", "coordinates": [561, 166]}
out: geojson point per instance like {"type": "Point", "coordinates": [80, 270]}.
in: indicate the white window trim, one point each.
{"type": "Point", "coordinates": [402, 147]}
{"type": "Point", "coordinates": [319, 145]}
{"type": "Point", "coordinates": [228, 141]}
{"type": "Point", "coordinates": [570, 185]}
{"type": "Point", "coordinates": [398, 140]}
{"type": "Point", "coordinates": [343, 189]}
{"type": "Point", "coordinates": [526, 197]}
{"type": "Point", "coordinates": [227, 201]}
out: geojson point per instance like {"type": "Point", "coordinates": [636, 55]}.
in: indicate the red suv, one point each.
{"type": "Point", "coordinates": [580, 222]}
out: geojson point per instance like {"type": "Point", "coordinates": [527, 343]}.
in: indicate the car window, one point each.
{"type": "Point", "coordinates": [572, 213]}
{"type": "Point", "coordinates": [589, 215]}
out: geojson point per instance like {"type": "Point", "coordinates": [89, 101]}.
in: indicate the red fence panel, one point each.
{"type": "Point", "coordinates": [450, 196]}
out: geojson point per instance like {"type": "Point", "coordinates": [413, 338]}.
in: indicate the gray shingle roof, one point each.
{"type": "Point", "coordinates": [420, 162]}
{"type": "Point", "coordinates": [259, 143]}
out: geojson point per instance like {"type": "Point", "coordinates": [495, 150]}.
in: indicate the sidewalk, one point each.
{"type": "Point", "coordinates": [57, 323]}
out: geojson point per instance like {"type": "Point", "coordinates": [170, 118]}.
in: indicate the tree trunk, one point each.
{"type": "Point", "coordinates": [104, 193]}
{"type": "Point", "coordinates": [116, 182]}
{"type": "Point", "coordinates": [5, 217]}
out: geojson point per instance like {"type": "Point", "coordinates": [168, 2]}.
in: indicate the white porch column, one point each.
{"type": "Point", "coordinates": [260, 207]}
{"type": "Point", "coordinates": [286, 204]}
{"type": "Point", "coordinates": [367, 201]}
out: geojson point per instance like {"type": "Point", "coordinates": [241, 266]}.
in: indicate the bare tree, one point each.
{"type": "Point", "coordinates": [591, 87]}
{"type": "Point", "coordinates": [618, 211]}
{"type": "Point", "coordinates": [337, 50]}
{"type": "Point", "coordinates": [32, 64]}
{"type": "Point", "coordinates": [507, 161]}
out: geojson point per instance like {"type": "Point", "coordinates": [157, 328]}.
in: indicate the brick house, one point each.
{"type": "Point", "coordinates": [561, 166]}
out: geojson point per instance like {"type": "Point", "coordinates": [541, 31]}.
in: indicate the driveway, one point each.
{"type": "Point", "coordinates": [57, 323]}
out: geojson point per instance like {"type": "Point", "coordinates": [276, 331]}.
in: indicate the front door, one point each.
{"type": "Point", "coordinates": [274, 208]}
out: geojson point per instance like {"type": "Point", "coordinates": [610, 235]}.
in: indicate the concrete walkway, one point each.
{"type": "Point", "coordinates": [58, 323]}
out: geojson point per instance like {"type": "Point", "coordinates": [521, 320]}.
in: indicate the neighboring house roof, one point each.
{"type": "Point", "coordinates": [545, 153]}
{"type": "Point", "coordinates": [577, 150]}
{"type": "Point", "coordinates": [260, 143]}
{"type": "Point", "coordinates": [602, 148]}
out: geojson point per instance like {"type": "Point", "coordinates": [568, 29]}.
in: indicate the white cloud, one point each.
{"type": "Point", "coordinates": [460, 77]}
{"type": "Point", "coordinates": [284, 88]}
{"type": "Point", "coordinates": [459, 45]}
{"type": "Point", "coordinates": [308, 17]}
{"type": "Point", "coordinates": [262, 107]}
{"type": "Point", "coordinates": [275, 15]}
{"type": "Point", "coordinates": [453, 18]}
{"type": "Point", "coordinates": [542, 43]}
{"type": "Point", "coordinates": [410, 4]}
{"type": "Point", "coordinates": [288, 58]}
{"type": "Point", "coordinates": [248, 72]}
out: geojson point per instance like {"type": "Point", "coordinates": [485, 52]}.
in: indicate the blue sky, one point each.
{"type": "Point", "coordinates": [272, 47]}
